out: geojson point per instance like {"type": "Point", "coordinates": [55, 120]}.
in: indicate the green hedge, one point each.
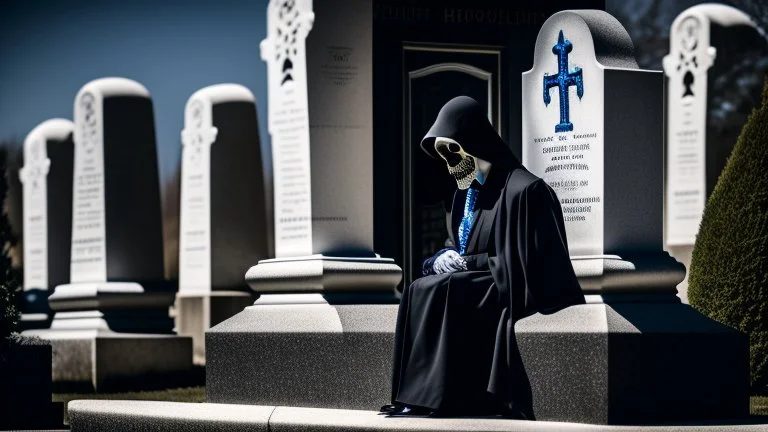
{"type": "Point", "coordinates": [728, 278]}
{"type": "Point", "coordinates": [9, 282]}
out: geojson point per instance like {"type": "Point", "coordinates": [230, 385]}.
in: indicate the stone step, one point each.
{"type": "Point", "coordinates": [98, 415]}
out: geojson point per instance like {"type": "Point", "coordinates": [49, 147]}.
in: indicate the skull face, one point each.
{"type": "Point", "coordinates": [461, 165]}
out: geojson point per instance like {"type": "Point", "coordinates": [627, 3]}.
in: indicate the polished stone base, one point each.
{"type": "Point", "coordinates": [304, 350]}
{"type": "Point", "coordinates": [634, 363]}
{"type": "Point", "coordinates": [103, 360]}
{"type": "Point", "coordinates": [101, 415]}
{"type": "Point", "coordinates": [34, 321]}
{"type": "Point", "coordinates": [319, 273]}
{"type": "Point", "coordinates": [196, 313]}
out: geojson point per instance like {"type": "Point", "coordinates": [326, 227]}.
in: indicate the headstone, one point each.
{"type": "Point", "coordinates": [111, 320]}
{"type": "Point", "coordinates": [593, 129]}
{"type": "Point", "coordinates": [47, 211]}
{"type": "Point", "coordinates": [223, 215]}
{"type": "Point", "coordinates": [425, 53]}
{"type": "Point", "coordinates": [327, 301]}
{"type": "Point", "coordinates": [713, 53]}
{"type": "Point", "coordinates": [323, 192]}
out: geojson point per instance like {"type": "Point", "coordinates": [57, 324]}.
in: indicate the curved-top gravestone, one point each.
{"type": "Point", "coordinates": [714, 77]}
{"type": "Point", "coordinates": [111, 320]}
{"type": "Point", "coordinates": [223, 208]}
{"type": "Point", "coordinates": [47, 209]}
{"type": "Point", "coordinates": [593, 129]}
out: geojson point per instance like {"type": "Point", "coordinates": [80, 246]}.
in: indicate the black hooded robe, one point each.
{"type": "Point", "coordinates": [455, 350]}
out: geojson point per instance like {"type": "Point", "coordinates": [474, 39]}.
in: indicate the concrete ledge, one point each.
{"type": "Point", "coordinates": [104, 415]}
{"type": "Point", "coordinates": [93, 415]}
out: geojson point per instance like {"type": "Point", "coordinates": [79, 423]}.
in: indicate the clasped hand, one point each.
{"type": "Point", "coordinates": [449, 261]}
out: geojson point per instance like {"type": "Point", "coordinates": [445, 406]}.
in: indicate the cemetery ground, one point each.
{"type": "Point", "coordinates": [758, 405]}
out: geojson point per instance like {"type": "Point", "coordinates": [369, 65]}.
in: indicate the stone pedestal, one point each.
{"type": "Point", "coordinates": [319, 273]}
{"type": "Point", "coordinates": [304, 350]}
{"type": "Point", "coordinates": [114, 336]}
{"type": "Point", "coordinates": [634, 363]}
{"type": "Point", "coordinates": [196, 313]}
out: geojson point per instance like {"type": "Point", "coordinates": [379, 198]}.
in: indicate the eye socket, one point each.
{"type": "Point", "coordinates": [454, 148]}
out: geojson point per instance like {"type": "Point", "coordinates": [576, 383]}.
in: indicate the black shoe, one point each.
{"type": "Point", "coordinates": [411, 411]}
{"type": "Point", "coordinates": [387, 409]}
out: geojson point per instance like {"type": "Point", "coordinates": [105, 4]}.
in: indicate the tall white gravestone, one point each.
{"type": "Point", "coordinates": [111, 321]}
{"type": "Point", "coordinates": [47, 209]}
{"type": "Point", "coordinates": [323, 192]}
{"type": "Point", "coordinates": [327, 301]}
{"type": "Point", "coordinates": [593, 129]}
{"type": "Point", "coordinates": [223, 209]}
{"type": "Point", "coordinates": [696, 149]}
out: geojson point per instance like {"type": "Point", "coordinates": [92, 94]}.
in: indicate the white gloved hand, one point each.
{"type": "Point", "coordinates": [448, 262]}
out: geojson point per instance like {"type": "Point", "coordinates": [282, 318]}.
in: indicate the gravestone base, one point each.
{"type": "Point", "coordinates": [103, 360]}
{"type": "Point", "coordinates": [114, 336]}
{"type": "Point", "coordinates": [319, 273]}
{"type": "Point", "coordinates": [306, 350]}
{"type": "Point", "coordinates": [620, 363]}
{"type": "Point", "coordinates": [35, 312]}
{"type": "Point", "coordinates": [196, 313]}
{"type": "Point", "coordinates": [34, 321]}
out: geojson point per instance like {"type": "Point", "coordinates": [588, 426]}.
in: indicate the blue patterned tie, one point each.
{"type": "Point", "coordinates": [469, 218]}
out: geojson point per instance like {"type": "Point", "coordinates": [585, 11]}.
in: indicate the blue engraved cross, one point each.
{"type": "Point", "coordinates": [562, 81]}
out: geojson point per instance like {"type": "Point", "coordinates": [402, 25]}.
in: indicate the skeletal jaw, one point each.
{"type": "Point", "coordinates": [464, 172]}
{"type": "Point", "coordinates": [461, 165]}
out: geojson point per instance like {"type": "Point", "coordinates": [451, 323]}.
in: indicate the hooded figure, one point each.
{"type": "Point", "coordinates": [455, 348]}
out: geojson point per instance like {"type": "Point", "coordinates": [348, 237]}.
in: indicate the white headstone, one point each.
{"type": "Point", "coordinates": [223, 209]}
{"type": "Point", "coordinates": [601, 150]}
{"type": "Point", "coordinates": [47, 210]}
{"type": "Point", "coordinates": [195, 212]}
{"type": "Point", "coordinates": [89, 262]}
{"type": "Point", "coordinates": [34, 178]}
{"type": "Point", "coordinates": [117, 226]}
{"type": "Point", "coordinates": [596, 139]}
{"type": "Point", "coordinates": [687, 66]}
{"type": "Point", "coordinates": [320, 121]}
{"type": "Point", "coordinates": [117, 301]}
{"type": "Point", "coordinates": [563, 132]}
{"type": "Point", "coordinates": [284, 50]}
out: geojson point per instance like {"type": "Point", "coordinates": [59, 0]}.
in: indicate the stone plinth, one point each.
{"type": "Point", "coordinates": [304, 350]}
{"type": "Point", "coordinates": [634, 363]}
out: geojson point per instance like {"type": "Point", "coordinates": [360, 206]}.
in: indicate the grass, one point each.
{"type": "Point", "coordinates": [187, 394]}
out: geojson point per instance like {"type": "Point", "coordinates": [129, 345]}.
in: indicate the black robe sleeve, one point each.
{"type": "Point", "coordinates": [532, 263]}
{"type": "Point", "coordinates": [549, 277]}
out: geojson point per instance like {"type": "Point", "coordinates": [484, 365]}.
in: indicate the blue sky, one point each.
{"type": "Point", "coordinates": [49, 49]}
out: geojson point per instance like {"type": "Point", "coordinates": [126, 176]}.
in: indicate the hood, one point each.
{"type": "Point", "coordinates": [464, 120]}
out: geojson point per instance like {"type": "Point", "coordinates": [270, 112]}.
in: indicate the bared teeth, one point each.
{"type": "Point", "coordinates": [463, 172]}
